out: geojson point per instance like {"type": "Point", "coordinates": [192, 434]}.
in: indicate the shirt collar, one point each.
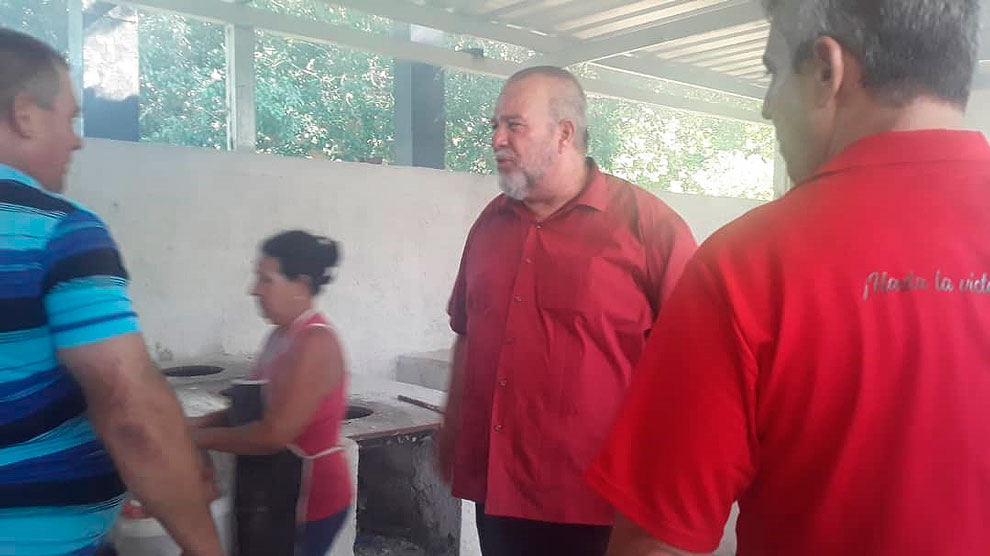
{"type": "Point", "coordinates": [9, 173]}
{"type": "Point", "coordinates": [595, 194]}
{"type": "Point", "coordinates": [901, 147]}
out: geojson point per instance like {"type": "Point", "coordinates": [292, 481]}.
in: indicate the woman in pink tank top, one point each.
{"type": "Point", "coordinates": [303, 388]}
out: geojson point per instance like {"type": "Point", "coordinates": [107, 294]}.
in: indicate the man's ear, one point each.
{"type": "Point", "coordinates": [829, 68]}
{"type": "Point", "coordinates": [23, 116]}
{"type": "Point", "coordinates": [568, 134]}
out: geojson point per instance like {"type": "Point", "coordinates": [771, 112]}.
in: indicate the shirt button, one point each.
{"type": "Point", "coordinates": [517, 298]}
{"type": "Point", "coordinates": [498, 428]}
{"type": "Point", "coordinates": [529, 261]}
{"type": "Point", "coordinates": [503, 382]}
{"type": "Point", "coordinates": [539, 226]}
{"type": "Point", "coordinates": [510, 340]}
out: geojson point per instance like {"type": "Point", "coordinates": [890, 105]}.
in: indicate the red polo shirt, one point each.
{"type": "Point", "coordinates": [825, 361]}
{"type": "Point", "coordinates": [555, 314]}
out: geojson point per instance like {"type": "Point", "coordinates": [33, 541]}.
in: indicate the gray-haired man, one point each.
{"type": "Point", "coordinates": [824, 360]}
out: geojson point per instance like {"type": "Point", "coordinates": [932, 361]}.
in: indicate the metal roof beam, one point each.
{"type": "Point", "coordinates": [626, 92]}
{"type": "Point", "coordinates": [325, 33]}
{"type": "Point", "coordinates": [479, 26]}
{"type": "Point", "coordinates": [402, 10]}
{"type": "Point", "coordinates": [739, 35]}
{"type": "Point", "coordinates": [685, 74]}
{"type": "Point", "coordinates": [727, 67]}
{"type": "Point", "coordinates": [726, 57]}
{"type": "Point", "coordinates": [627, 16]}
{"type": "Point", "coordinates": [736, 14]}
{"type": "Point", "coordinates": [710, 58]}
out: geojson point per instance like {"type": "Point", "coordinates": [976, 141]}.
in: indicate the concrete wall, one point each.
{"type": "Point", "coordinates": [189, 222]}
{"type": "Point", "coordinates": [978, 112]}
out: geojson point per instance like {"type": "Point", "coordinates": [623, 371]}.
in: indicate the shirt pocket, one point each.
{"type": "Point", "coordinates": [563, 284]}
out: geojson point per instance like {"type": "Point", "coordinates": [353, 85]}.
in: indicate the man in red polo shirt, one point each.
{"type": "Point", "coordinates": [825, 360]}
{"type": "Point", "coordinates": [561, 281]}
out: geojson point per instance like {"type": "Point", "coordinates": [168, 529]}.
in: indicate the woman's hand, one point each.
{"type": "Point", "coordinates": [209, 475]}
{"type": "Point", "coordinates": [196, 422]}
{"type": "Point", "coordinates": [216, 419]}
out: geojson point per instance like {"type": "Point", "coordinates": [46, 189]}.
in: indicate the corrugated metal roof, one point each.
{"type": "Point", "coordinates": [719, 38]}
{"type": "Point", "coordinates": [716, 44]}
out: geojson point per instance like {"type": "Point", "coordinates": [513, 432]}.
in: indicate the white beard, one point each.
{"type": "Point", "coordinates": [515, 185]}
{"type": "Point", "coordinates": [519, 183]}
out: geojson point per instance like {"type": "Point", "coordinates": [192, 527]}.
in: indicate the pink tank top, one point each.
{"type": "Point", "coordinates": [326, 485]}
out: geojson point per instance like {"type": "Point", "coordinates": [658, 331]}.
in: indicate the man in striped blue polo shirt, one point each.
{"type": "Point", "coordinates": [80, 400]}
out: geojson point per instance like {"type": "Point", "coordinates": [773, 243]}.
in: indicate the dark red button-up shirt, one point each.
{"type": "Point", "coordinates": [555, 314]}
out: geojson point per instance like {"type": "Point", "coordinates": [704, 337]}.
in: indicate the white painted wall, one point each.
{"type": "Point", "coordinates": [978, 111]}
{"type": "Point", "coordinates": [189, 222]}
{"type": "Point", "coordinates": [706, 214]}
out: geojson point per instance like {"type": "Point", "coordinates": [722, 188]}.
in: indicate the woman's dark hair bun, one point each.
{"type": "Point", "coordinates": [329, 251]}
{"type": "Point", "coordinates": [300, 253]}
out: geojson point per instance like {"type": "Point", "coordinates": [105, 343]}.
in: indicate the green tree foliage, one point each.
{"type": "Point", "coordinates": [323, 101]}
{"type": "Point", "coordinates": [328, 102]}
{"type": "Point", "coordinates": [47, 20]}
{"type": "Point", "coordinates": [183, 81]}
{"type": "Point", "coordinates": [668, 150]}
{"type": "Point", "coordinates": [470, 103]}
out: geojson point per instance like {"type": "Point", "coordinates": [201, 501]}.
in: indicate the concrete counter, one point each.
{"type": "Point", "coordinates": [389, 416]}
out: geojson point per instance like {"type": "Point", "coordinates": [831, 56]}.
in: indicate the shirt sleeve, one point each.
{"type": "Point", "coordinates": [684, 447]}
{"type": "Point", "coordinates": [457, 305]}
{"type": "Point", "coordinates": [85, 285]}
{"type": "Point", "coordinates": [669, 245]}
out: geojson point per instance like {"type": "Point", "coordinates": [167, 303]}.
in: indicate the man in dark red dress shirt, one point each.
{"type": "Point", "coordinates": [561, 281]}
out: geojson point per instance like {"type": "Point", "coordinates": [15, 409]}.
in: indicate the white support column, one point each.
{"type": "Point", "coordinates": [241, 129]}
{"type": "Point", "coordinates": [76, 40]}
{"type": "Point", "coordinates": [420, 118]}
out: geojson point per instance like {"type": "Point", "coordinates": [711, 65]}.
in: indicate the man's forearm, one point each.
{"type": "Point", "coordinates": [142, 426]}
{"type": "Point", "coordinates": [251, 440]}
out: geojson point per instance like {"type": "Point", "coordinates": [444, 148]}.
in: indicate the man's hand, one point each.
{"type": "Point", "coordinates": [208, 475]}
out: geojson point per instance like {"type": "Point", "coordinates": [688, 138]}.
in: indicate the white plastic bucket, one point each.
{"type": "Point", "coordinates": [147, 537]}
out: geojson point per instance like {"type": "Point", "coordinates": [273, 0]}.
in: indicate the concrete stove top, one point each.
{"type": "Point", "coordinates": [390, 419]}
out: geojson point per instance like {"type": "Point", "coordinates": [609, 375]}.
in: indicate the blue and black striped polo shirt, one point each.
{"type": "Point", "coordinates": [62, 284]}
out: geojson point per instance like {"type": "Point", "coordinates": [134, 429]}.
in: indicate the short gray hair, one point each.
{"type": "Point", "coordinates": [27, 65]}
{"type": "Point", "coordinates": [907, 48]}
{"type": "Point", "coordinates": [571, 104]}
